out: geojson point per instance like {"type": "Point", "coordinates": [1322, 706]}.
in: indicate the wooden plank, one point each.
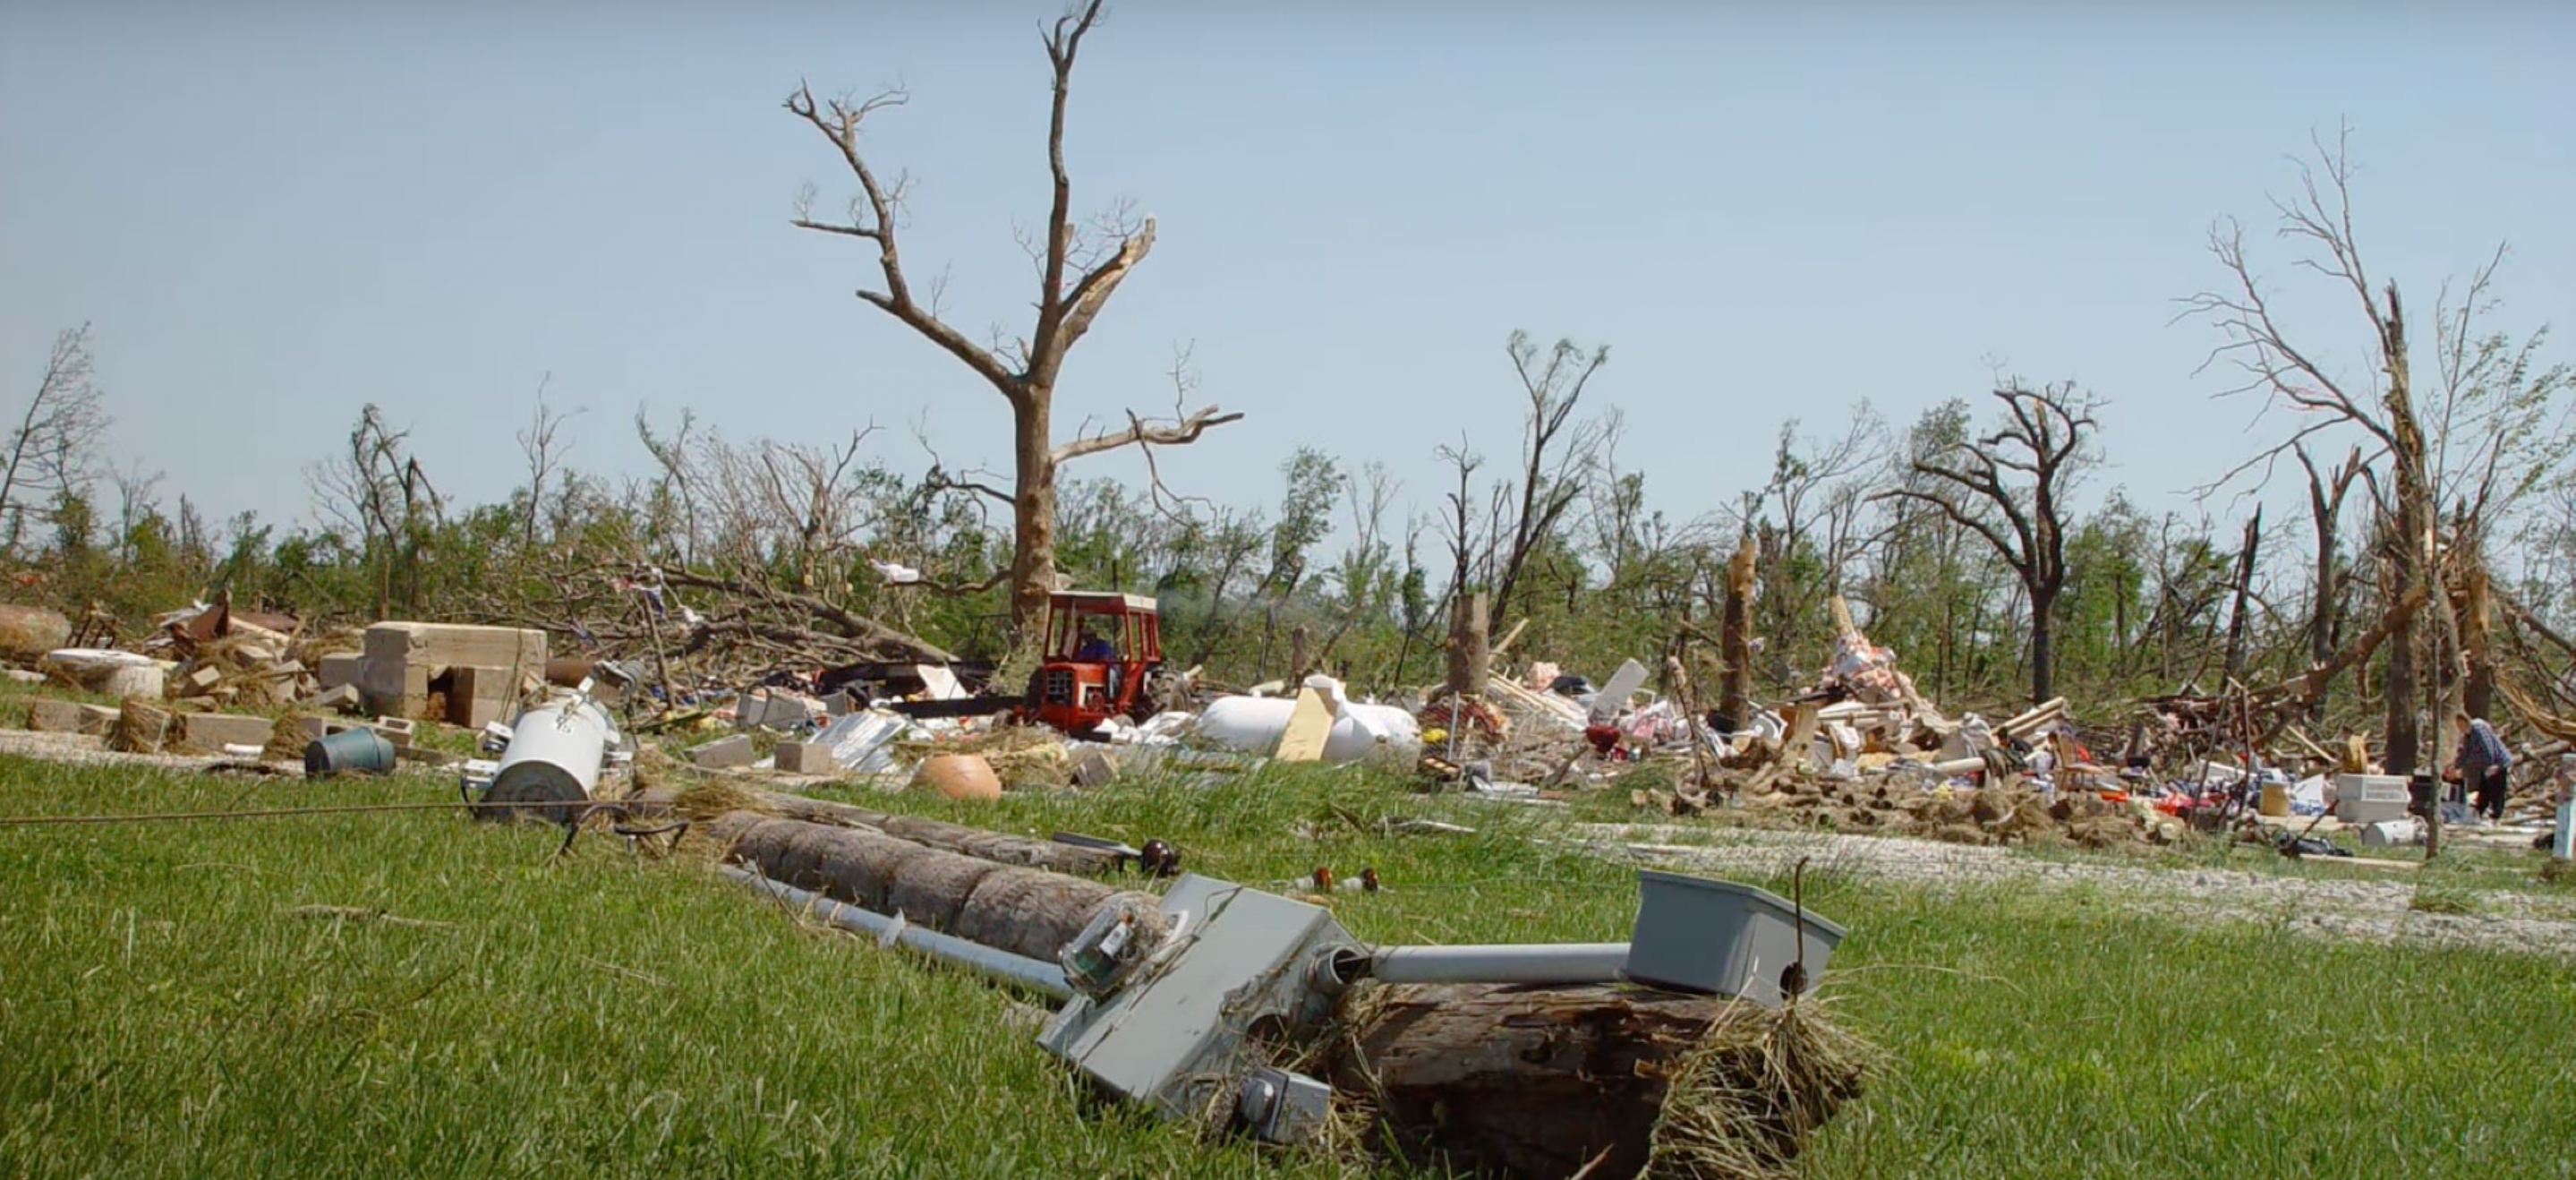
{"type": "Point", "coordinates": [1309, 724]}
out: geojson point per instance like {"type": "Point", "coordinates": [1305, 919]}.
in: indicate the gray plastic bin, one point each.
{"type": "Point", "coordinates": [1695, 934]}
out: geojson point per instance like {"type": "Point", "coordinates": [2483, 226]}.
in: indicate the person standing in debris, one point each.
{"type": "Point", "coordinates": [2479, 769]}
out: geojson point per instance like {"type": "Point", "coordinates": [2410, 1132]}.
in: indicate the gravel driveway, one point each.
{"type": "Point", "coordinates": [2362, 910]}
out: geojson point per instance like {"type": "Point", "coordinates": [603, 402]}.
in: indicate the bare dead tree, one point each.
{"type": "Point", "coordinates": [544, 448]}
{"type": "Point", "coordinates": [1458, 524]}
{"type": "Point", "coordinates": [378, 490]}
{"type": "Point", "coordinates": [677, 481]}
{"type": "Point", "coordinates": [53, 451]}
{"type": "Point", "coordinates": [1555, 449]}
{"type": "Point", "coordinates": [1816, 485]}
{"type": "Point", "coordinates": [138, 498]}
{"type": "Point", "coordinates": [2484, 440]}
{"type": "Point", "coordinates": [2010, 487]}
{"type": "Point", "coordinates": [1077, 273]}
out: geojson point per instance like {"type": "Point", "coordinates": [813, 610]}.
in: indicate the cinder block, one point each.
{"type": "Point", "coordinates": [51, 716]}
{"type": "Point", "coordinates": [449, 645]}
{"type": "Point", "coordinates": [214, 731]}
{"type": "Point", "coordinates": [724, 753]}
{"type": "Point", "coordinates": [340, 669]}
{"type": "Point", "coordinates": [344, 698]}
{"type": "Point", "coordinates": [772, 707]}
{"type": "Point", "coordinates": [393, 688]}
{"type": "Point", "coordinates": [806, 758]}
{"type": "Point", "coordinates": [397, 730]}
{"type": "Point", "coordinates": [479, 696]}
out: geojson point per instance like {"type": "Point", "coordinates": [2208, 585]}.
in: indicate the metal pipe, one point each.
{"type": "Point", "coordinates": [1566, 962]}
{"type": "Point", "coordinates": [1003, 965]}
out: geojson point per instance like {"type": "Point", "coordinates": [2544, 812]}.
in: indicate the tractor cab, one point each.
{"type": "Point", "coordinates": [1101, 650]}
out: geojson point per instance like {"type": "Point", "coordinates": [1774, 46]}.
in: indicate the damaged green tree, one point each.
{"type": "Point", "coordinates": [1078, 272]}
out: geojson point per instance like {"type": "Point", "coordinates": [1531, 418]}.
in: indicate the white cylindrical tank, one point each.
{"type": "Point", "coordinates": [555, 753]}
{"type": "Point", "coordinates": [1254, 724]}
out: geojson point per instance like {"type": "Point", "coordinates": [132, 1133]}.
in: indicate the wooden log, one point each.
{"type": "Point", "coordinates": [1026, 911]}
{"type": "Point", "coordinates": [1515, 1081]}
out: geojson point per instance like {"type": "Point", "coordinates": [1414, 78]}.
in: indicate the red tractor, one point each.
{"type": "Point", "coordinates": [1101, 653]}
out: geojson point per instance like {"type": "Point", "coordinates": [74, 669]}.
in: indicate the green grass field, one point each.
{"type": "Point", "coordinates": [162, 1013]}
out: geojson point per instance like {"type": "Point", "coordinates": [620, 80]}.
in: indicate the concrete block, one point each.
{"type": "Point", "coordinates": [345, 698]}
{"type": "Point", "coordinates": [51, 716]}
{"type": "Point", "coordinates": [342, 668]}
{"type": "Point", "coordinates": [397, 730]}
{"type": "Point", "coordinates": [393, 688]}
{"type": "Point", "coordinates": [476, 697]}
{"type": "Point", "coordinates": [806, 758]}
{"type": "Point", "coordinates": [773, 708]}
{"type": "Point", "coordinates": [448, 645]}
{"type": "Point", "coordinates": [214, 731]}
{"type": "Point", "coordinates": [724, 753]}
{"type": "Point", "coordinates": [148, 681]}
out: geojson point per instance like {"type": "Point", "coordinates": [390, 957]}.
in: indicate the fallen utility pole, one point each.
{"type": "Point", "coordinates": [1204, 1004]}
{"type": "Point", "coordinates": [981, 843]}
{"type": "Point", "coordinates": [1022, 910]}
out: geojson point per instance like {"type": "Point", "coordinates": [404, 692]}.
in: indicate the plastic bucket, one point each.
{"type": "Point", "coordinates": [360, 751]}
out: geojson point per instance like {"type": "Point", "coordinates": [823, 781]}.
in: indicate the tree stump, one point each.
{"type": "Point", "coordinates": [1547, 1083]}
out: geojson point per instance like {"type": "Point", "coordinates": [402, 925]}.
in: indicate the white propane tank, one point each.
{"type": "Point", "coordinates": [1254, 725]}
{"type": "Point", "coordinates": [555, 753]}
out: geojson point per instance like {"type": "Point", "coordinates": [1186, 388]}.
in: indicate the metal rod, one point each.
{"type": "Point", "coordinates": [1020, 969]}
{"type": "Point", "coordinates": [1568, 962]}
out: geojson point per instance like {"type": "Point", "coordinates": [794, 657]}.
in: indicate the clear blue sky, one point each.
{"type": "Point", "coordinates": [274, 212]}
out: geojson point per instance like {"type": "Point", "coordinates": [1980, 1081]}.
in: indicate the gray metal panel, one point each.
{"type": "Point", "coordinates": [1177, 1028]}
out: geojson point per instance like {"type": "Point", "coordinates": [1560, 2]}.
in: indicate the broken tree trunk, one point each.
{"type": "Point", "coordinates": [2306, 687]}
{"type": "Point", "coordinates": [2237, 628]}
{"type": "Point", "coordinates": [1469, 658]}
{"type": "Point", "coordinates": [2477, 643]}
{"type": "Point", "coordinates": [1735, 644]}
{"type": "Point", "coordinates": [1510, 1080]}
{"type": "Point", "coordinates": [1025, 911]}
